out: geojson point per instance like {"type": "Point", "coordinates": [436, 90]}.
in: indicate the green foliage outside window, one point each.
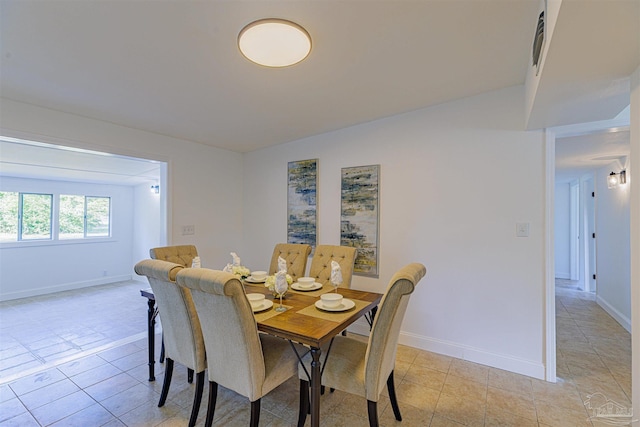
{"type": "Point", "coordinates": [71, 217]}
{"type": "Point", "coordinates": [36, 216]}
{"type": "Point", "coordinates": [8, 216]}
{"type": "Point", "coordinates": [98, 216]}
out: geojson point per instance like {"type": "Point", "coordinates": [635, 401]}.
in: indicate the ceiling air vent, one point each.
{"type": "Point", "coordinates": [538, 39]}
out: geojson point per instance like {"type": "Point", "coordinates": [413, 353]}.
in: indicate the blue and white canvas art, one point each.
{"type": "Point", "coordinates": [301, 201]}
{"type": "Point", "coordinates": [359, 216]}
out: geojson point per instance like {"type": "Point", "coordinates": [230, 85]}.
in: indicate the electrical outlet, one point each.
{"type": "Point", "coordinates": [522, 229]}
{"type": "Point", "coordinates": [188, 230]}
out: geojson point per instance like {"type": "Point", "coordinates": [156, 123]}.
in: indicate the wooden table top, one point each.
{"type": "Point", "coordinates": [311, 329]}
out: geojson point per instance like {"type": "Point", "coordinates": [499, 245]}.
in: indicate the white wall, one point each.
{"type": "Point", "coordinates": [204, 186]}
{"type": "Point", "coordinates": [455, 179]}
{"type": "Point", "coordinates": [613, 247]}
{"type": "Point", "coordinates": [33, 268]}
{"type": "Point", "coordinates": [147, 223]}
{"type": "Point", "coordinates": [562, 220]}
{"type": "Point", "coordinates": [635, 240]}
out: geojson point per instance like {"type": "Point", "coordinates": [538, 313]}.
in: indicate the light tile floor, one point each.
{"type": "Point", "coordinates": [106, 384]}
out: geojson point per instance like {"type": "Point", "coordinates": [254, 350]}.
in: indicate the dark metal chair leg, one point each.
{"type": "Point", "coordinates": [211, 406]}
{"type": "Point", "coordinates": [162, 349]}
{"type": "Point", "coordinates": [303, 409]}
{"type": "Point", "coordinates": [197, 399]}
{"type": "Point", "coordinates": [255, 413]}
{"type": "Point", "coordinates": [151, 321]}
{"type": "Point", "coordinates": [372, 408]}
{"type": "Point", "coordinates": [392, 397]}
{"type": "Point", "coordinates": [168, 371]}
{"type": "Point", "coordinates": [189, 375]}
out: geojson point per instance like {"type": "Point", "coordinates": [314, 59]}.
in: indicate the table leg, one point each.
{"type": "Point", "coordinates": [151, 322]}
{"type": "Point", "coordinates": [315, 387]}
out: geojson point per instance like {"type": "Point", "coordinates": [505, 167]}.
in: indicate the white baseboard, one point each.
{"type": "Point", "coordinates": [566, 276]}
{"type": "Point", "coordinates": [63, 287]}
{"type": "Point", "coordinates": [529, 368]}
{"type": "Point", "coordinates": [624, 321]}
{"type": "Point", "coordinates": [508, 363]}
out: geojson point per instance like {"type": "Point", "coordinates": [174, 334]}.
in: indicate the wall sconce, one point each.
{"type": "Point", "coordinates": [155, 189]}
{"type": "Point", "coordinates": [615, 179]}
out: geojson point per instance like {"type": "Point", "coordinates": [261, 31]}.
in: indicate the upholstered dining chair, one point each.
{"type": "Point", "coordinates": [238, 357]}
{"type": "Point", "coordinates": [363, 368]}
{"type": "Point", "coordinates": [179, 254]}
{"type": "Point", "coordinates": [321, 263]}
{"type": "Point", "coordinates": [181, 331]}
{"type": "Point", "coordinates": [296, 255]}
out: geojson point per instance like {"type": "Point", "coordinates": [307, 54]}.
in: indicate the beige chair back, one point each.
{"type": "Point", "coordinates": [383, 340]}
{"type": "Point", "coordinates": [181, 254]}
{"type": "Point", "coordinates": [321, 263]}
{"type": "Point", "coordinates": [296, 255]}
{"type": "Point", "coordinates": [183, 338]}
{"type": "Point", "coordinates": [234, 352]}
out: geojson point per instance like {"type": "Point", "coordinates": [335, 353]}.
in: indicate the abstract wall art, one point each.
{"type": "Point", "coordinates": [302, 179]}
{"type": "Point", "coordinates": [359, 216]}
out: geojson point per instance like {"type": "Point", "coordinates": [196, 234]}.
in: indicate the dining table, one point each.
{"type": "Point", "coordinates": [304, 321]}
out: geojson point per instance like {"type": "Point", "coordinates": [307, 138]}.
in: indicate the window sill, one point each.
{"type": "Point", "coordinates": [36, 243]}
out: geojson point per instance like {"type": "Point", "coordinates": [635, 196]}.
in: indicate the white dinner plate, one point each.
{"type": "Point", "coordinates": [267, 304]}
{"type": "Point", "coordinates": [250, 279]}
{"type": "Point", "coordinates": [301, 288]}
{"type": "Point", "coordinates": [345, 305]}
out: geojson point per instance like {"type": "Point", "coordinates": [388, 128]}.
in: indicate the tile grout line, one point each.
{"type": "Point", "coordinates": [68, 359]}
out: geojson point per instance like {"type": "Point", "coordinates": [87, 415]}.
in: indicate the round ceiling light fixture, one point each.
{"type": "Point", "coordinates": [274, 42]}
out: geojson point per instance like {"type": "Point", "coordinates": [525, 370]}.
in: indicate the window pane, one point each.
{"type": "Point", "coordinates": [71, 217]}
{"type": "Point", "coordinates": [8, 216]}
{"type": "Point", "coordinates": [98, 216]}
{"type": "Point", "coordinates": [36, 216]}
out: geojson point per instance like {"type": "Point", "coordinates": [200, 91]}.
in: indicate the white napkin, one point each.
{"type": "Point", "coordinates": [228, 269]}
{"type": "Point", "coordinates": [236, 259]}
{"type": "Point", "coordinates": [195, 263]}
{"type": "Point", "coordinates": [336, 273]}
{"type": "Point", "coordinates": [282, 264]}
{"type": "Point", "coordinates": [281, 282]}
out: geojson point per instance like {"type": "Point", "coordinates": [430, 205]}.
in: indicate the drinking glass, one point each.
{"type": "Point", "coordinates": [280, 291]}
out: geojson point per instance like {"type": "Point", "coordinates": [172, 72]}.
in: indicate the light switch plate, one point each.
{"type": "Point", "coordinates": [522, 229]}
{"type": "Point", "coordinates": [188, 230]}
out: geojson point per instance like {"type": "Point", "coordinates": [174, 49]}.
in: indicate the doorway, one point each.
{"type": "Point", "coordinates": [30, 158]}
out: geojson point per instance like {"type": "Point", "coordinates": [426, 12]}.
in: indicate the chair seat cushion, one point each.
{"type": "Point", "coordinates": [345, 367]}
{"type": "Point", "coordinates": [280, 361]}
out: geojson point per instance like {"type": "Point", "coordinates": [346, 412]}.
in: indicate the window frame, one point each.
{"type": "Point", "coordinates": [54, 222]}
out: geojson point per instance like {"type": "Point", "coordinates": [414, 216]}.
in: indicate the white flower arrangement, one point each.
{"type": "Point", "coordinates": [240, 270]}
{"type": "Point", "coordinates": [270, 282]}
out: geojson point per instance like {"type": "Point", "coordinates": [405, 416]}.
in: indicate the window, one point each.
{"type": "Point", "coordinates": [71, 218]}
{"type": "Point", "coordinates": [9, 216]}
{"type": "Point", "coordinates": [34, 216]}
{"type": "Point", "coordinates": [28, 216]}
{"type": "Point", "coordinates": [97, 216]}
{"type": "Point", "coordinates": [84, 216]}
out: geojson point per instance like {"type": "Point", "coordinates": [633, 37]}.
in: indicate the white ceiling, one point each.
{"type": "Point", "coordinates": [173, 67]}
{"type": "Point", "coordinates": [579, 155]}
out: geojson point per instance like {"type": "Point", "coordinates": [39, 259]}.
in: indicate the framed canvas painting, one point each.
{"type": "Point", "coordinates": [359, 218]}
{"type": "Point", "coordinates": [302, 176]}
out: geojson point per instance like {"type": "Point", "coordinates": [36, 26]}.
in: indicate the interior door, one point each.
{"type": "Point", "coordinates": [590, 214]}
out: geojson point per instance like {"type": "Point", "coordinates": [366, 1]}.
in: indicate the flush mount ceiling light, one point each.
{"type": "Point", "coordinates": [274, 42]}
